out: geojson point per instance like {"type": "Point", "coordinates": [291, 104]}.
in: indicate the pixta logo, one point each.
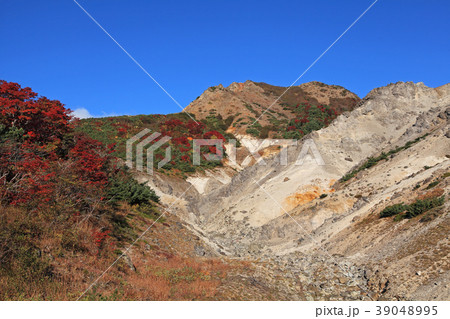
{"type": "Point", "coordinates": [145, 143]}
{"type": "Point", "coordinates": [142, 145]}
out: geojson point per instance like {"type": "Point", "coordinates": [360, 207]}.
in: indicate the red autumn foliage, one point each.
{"type": "Point", "coordinates": [39, 166]}
{"type": "Point", "coordinates": [25, 173]}
{"type": "Point", "coordinates": [172, 124]}
{"type": "Point", "coordinates": [213, 135]}
{"type": "Point", "coordinates": [100, 237]}
{"type": "Point", "coordinates": [43, 120]}
{"type": "Point", "coordinates": [182, 140]}
{"type": "Point", "coordinates": [291, 128]}
{"type": "Point", "coordinates": [195, 129]}
{"type": "Point", "coordinates": [90, 160]}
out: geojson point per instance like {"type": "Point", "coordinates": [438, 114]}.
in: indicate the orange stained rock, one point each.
{"type": "Point", "coordinates": [302, 198]}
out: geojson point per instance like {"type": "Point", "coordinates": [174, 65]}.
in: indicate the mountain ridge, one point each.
{"type": "Point", "coordinates": [256, 104]}
{"type": "Point", "coordinates": [247, 213]}
{"type": "Point", "coordinates": [370, 221]}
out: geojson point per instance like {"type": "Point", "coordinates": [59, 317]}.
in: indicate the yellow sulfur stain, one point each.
{"type": "Point", "coordinates": [302, 198]}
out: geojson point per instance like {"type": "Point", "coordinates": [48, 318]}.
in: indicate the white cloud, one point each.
{"type": "Point", "coordinates": [82, 113]}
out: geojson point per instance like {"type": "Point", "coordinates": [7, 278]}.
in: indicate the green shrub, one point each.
{"type": "Point", "coordinates": [294, 135]}
{"type": "Point", "coordinates": [431, 185]}
{"type": "Point", "coordinates": [265, 130]}
{"type": "Point", "coordinates": [418, 207]}
{"type": "Point", "coordinates": [251, 109]}
{"type": "Point", "coordinates": [399, 217]}
{"type": "Point", "coordinates": [12, 133]}
{"type": "Point", "coordinates": [252, 131]}
{"type": "Point", "coordinates": [421, 206]}
{"type": "Point", "coordinates": [130, 191]}
{"type": "Point", "coordinates": [393, 210]}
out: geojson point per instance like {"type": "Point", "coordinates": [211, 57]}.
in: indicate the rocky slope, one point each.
{"type": "Point", "coordinates": [243, 103]}
{"type": "Point", "coordinates": [335, 246]}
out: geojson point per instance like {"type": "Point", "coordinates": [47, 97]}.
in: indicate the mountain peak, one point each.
{"type": "Point", "coordinates": [259, 106]}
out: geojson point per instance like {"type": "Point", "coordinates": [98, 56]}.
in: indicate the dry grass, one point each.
{"type": "Point", "coordinates": [175, 278]}
{"type": "Point", "coordinates": [45, 260]}
{"type": "Point", "coordinates": [431, 194]}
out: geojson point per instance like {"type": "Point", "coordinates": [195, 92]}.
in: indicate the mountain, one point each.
{"type": "Point", "coordinates": [257, 106]}
{"type": "Point", "coordinates": [351, 205]}
{"type": "Point", "coordinates": [324, 222]}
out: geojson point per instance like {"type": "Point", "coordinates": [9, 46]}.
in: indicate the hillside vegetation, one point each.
{"type": "Point", "coordinates": [69, 208]}
{"type": "Point", "coordinates": [180, 127]}
{"type": "Point", "coordinates": [370, 224]}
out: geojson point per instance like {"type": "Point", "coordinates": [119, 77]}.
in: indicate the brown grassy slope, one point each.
{"type": "Point", "coordinates": [61, 260]}
{"type": "Point", "coordinates": [315, 92]}
{"type": "Point", "coordinates": [247, 101]}
{"type": "Point", "coordinates": [168, 263]}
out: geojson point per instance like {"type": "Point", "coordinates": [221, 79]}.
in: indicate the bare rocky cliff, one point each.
{"type": "Point", "coordinates": [304, 220]}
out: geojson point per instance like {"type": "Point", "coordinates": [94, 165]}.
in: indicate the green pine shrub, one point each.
{"type": "Point", "coordinates": [393, 210]}
{"type": "Point", "coordinates": [418, 207]}
{"type": "Point", "coordinates": [432, 184]}
{"type": "Point", "coordinates": [132, 192]}
{"type": "Point", "coordinates": [422, 205]}
{"type": "Point", "coordinates": [252, 131]}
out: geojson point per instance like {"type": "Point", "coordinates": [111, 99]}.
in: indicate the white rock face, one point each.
{"type": "Point", "coordinates": [275, 209]}
{"type": "Point", "coordinates": [387, 118]}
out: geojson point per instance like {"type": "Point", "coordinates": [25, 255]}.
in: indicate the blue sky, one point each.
{"type": "Point", "coordinates": [53, 47]}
